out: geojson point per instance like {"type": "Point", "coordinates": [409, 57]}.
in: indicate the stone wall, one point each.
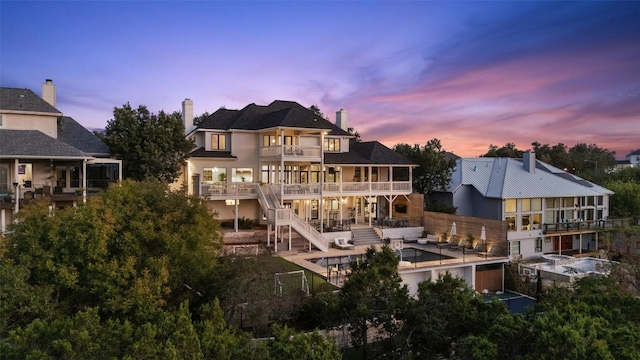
{"type": "Point", "coordinates": [496, 230]}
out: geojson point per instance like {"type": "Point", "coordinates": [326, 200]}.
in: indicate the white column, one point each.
{"type": "Point", "coordinates": [84, 180]}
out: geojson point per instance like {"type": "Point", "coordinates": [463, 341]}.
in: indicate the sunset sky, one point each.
{"type": "Point", "coordinates": [468, 73]}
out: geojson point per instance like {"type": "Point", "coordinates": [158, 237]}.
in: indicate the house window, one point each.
{"type": "Point", "coordinates": [511, 221]}
{"type": "Point", "coordinates": [268, 173]}
{"type": "Point", "coordinates": [242, 175]}
{"type": "Point", "coordinates": [333, 174]}
{"type": "Point", "coordinates": [526, 204]}
{"type": "Point", "coordinates": [288, 140]}
{"type": "Point", "coordinates": [269, 140]}
{"type": "Point", "coordinates": [0, 120]}
{"type": "Point", "coordinates": [356, 174]}
{"type": "Point", "coordinates": [332, 204]}
{"type": "Point", "coordinates": [526, 222]}
{"type": "Point", "coordinates": [539, 244]}
{"type": "Point", "coordinates": [514, 248]}
{"type": "Point", "coordinates": [315, 174]}
{"type": "Point", "coordinates": [536, 221]}
{"type": "Point", "coordinates": [331, 144]}
{"type": "Point", "coordinates": [61, 176]}
{"type": "Point", "coordinates": [510, 205]}
{"type": "Point", "coordinates": [214, 175]}
{"type": "Point", "coordinates": [374, 174]}
{"type": "Point", "coordinates": [218, 142]}
{"type": "Point", "coordinates": [536, 204]}
{"type": "Point", "coordinates": [75, 176]}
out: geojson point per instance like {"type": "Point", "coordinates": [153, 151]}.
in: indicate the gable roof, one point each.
{"type": "Point", "coordinates": [370, 152]}
{"type": "Point", "coordinates": [636, 152]}
{"type": "Point", "coordinates": [13, 99]}
{"type": "Point", "coordinates": [76, 135]}
{"type": "Point", "coordinates": [277, 114]}
{"type": "Point", "coordinates": [35, 144]}
{"type": "Point", "coordinates": [506, 178]}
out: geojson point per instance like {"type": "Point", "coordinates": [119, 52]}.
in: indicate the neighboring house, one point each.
{"type": "Point", "coordinates": [313, 174]}
{"type": "Point", "coordinates": [634, 158]}
{"type": "Point", "coordinates": [46, 154]}
{"type": "Point", "coordinates": [547, 210]}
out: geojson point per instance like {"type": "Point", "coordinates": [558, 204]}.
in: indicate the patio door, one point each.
{"type": "Point", "coordinates": [565, 240]}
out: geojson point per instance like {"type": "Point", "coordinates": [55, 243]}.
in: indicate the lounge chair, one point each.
{"type": "Point", "coordinates": [475, 249]}
{"type": "Point", "coordinates": [489, 252]}
{"type": "Point", "coordinates": [446, 244]}
{"type": "Point", "coordinates": [461, 244]}
{"type": "Point", "coordinates": [342, 243]}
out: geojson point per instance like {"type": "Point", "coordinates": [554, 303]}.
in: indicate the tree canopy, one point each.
{"type": "Point", "coordinates": [126, 275]}
{"type": "Point", "coordinates": [434, 170]}
{"type": "Point", "coordinates": [587, 161]}
{"type": "Point", "coordinates": [151, 146]}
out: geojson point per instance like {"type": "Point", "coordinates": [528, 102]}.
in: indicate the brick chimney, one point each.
{"type": "Point", "coordinates": [529, 161]}
{"type": "Point", "coordinates": [341, 119]}
{"type": "Point", "coordinates": [187, 115]}
{"type": "Point", "coordinates": [49, 92]}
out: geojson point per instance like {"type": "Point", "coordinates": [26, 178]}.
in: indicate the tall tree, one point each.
{"type": "Point", "coordinates": [434, 170]}
{"type": "Point", "coordinates": [373, 297]}
{"type": "Point", "coordinates": [150, 146]}
{"type": "Point", "coordinates": [508, 150]}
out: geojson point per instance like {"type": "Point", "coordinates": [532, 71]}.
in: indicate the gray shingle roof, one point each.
{"type": "Point", "coordinates": [277, 114]}
{"type": "Point", "coordinates": [637, 152]}
{"type": "Point", "coordinates": [201, 152]}
{"type": "Point", "coordinates": [370, 152]}
{"type": "Point", "coordinates": [76, 135]}
{"type": "Point", "coordinates": [506, 178]}
{"type": "Point", "coordinates": [24, 100]}
{"type": "Point", "coordinates": [35, 144]}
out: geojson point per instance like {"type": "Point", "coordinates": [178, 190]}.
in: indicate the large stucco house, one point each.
{"type": "Point", "coordinates": [547, 210]}
{"type": "Point", "coordinates": [44, 154]}
{"type": "Point", "coordinates": [287, 167]}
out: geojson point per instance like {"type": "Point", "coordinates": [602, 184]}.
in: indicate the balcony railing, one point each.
{"type": "Point", "coordinates": [368, 187]}
{"type": "Point", "coordinates": [230, 190]}
{"type": "Point", "coordinates": [249, 190]}
{"type": "Point", "coordinates": [292, 151]}
{"type": "Point", "coordinates": [578, 225]}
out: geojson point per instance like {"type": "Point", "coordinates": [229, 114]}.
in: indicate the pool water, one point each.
{"type": "Point", "coordinates": [408, 254]}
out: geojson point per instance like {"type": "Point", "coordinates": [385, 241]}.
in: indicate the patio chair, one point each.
{"type": "Point", "coordinates": [446, 244]}
{"type": "Point", "coordinates": [342, 243]}
{"type": "Point", "coordinates": [489, 252]}
{"type": "Point", "coordinates": [461, 244]}
{"type": "Point", "coordinates": [475, 249]}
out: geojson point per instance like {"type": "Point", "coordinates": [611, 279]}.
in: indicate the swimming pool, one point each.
{"type": "Point", "coordinates": [409, 254]}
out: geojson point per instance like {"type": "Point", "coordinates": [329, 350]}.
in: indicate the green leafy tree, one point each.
{"type": "Point", "coordinates": [373, 297]}
{"type": "Point", "coordinates": [434, 167]}
{"type": "Point", "coordinates": [287, 344]}
{"type": "Point", "coordinates": [625, 202]}
{"type": "Point", "coordinates": [150, 146]}
{"type": "Point", "coordinates": [509, 150]}
{"type": "Point", "coordinates": [446, 312]}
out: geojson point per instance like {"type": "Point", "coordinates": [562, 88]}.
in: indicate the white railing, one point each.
{"type": "Point", "coordinates": [291, 151]}
{"type": "Point", "coordinates": [301, 189]}
{"type": "Point", "coordinates": [306, 230]}
{"type": "Point", "coordinates": [368, 187]}
{"type": "Point", "coordinates": [227, 190]}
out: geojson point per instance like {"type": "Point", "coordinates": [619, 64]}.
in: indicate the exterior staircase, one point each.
{"type": "Point", "coordinates": [365, 236]}
{"type": "Point", "coordinates": [278, 216]}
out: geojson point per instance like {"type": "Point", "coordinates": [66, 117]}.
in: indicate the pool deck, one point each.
{"type": "Point", "coordinates": [457, 257]}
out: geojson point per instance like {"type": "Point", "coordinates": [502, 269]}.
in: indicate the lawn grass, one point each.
{"type": "Point", "coordinates": [316, 282]}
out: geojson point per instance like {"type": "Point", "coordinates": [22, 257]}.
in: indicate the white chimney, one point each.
{"type": "Point", "coordinates": [341, 119]}
{"type": "Point", "coordinates": [187, 115]}
{"type": "Point", "coordinates": [529, 161]}
{"type": "Point", "coordinates": [49, 92]}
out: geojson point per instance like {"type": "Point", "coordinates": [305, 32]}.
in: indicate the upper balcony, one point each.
{"type": "Point", "coordinates": [577, 226]}
{"type": "Point", "coordinates": [292, 153]}
{"type": "Point", "coordinates": [307, 190]}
